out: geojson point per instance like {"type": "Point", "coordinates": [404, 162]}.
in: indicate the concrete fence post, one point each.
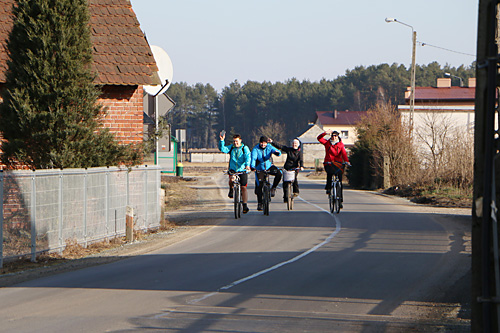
{"type": "Point", "coordinates": [128, 187]}
{"type": "Point", "coordinates": [146, 197]}
{"type": "Point", "coordinates": [158, 196]}
{"type": "Point", "coordinates": [61, 217]}
{"type": "Point", "coordinates": [1, 218]}
{"type": "Point", "coordinates": [33, 217]}
{"type": "Point", "coordinates": [85, 198]}
{"type": "Point", "coordinates": [129, 224]}
{"type": "Point", "coordinates": [106, 203]}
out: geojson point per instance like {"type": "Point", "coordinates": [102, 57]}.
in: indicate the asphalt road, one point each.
{"type": "Point", "coordinates": [381, 265]}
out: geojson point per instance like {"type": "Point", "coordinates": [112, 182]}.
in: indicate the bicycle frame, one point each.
{"type": "Point", "coordinates": [237, 193]}
{"type": "Point", "coordinates": [266, 190]}
{"type": "Point", "coordinates": [289, 186]}
{"type": "Point", "coordinates": [335, 196]}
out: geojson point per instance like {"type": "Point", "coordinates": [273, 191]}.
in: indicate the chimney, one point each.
{"type": "Point", "coordinates": [408, 92]}
{"type": "Point", "coordinates": [444, 82]}
{"type": "Point", "coordinates": [335, 114]}
{"type": "Point", "coordinates": [472, 82]}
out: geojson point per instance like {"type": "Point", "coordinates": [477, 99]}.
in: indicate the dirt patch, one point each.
{"type": "Point", "coordinates": [429, 195]}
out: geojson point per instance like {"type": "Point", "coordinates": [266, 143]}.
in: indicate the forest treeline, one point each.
{"type": "Point", "coordinates": [284, 109]}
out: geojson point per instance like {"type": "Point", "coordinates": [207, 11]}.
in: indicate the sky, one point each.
{"type": "Point", "coordinates": [220, 41]}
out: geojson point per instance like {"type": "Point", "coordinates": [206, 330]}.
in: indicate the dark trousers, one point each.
{"type": "Point", "coordinates": [330, 171]}
{"type": "Point", "coordinates": [259, 181]}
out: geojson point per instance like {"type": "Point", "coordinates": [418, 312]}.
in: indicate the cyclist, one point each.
{"type": "Point", "coordinates": [261, 160]}
{"type": "Point", "coordinates": [334, 152]}
{"type": "Point", "coordinates": [239, 161]}
{"type": "Point", "coordinates": [294, 160]}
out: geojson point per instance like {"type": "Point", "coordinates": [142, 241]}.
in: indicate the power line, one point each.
{"type": "Point", "coordinates": [442, 48]}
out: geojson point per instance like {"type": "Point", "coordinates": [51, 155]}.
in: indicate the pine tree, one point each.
{"type": "Point", "coordinates": [50, 117]}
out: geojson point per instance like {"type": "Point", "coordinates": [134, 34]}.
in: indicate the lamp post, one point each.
{"type": "Point", "coordinates": [457, 77]}
{"type": "Point", "coordinates": [412, 91]}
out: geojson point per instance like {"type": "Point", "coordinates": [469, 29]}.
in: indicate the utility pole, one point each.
{"type": "Point", "coordinates": [413, 70]}
{"type": "Point", "coordinates": [485, 262]}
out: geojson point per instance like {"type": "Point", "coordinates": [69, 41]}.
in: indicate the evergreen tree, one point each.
{"type": "Point", "coordinates": [50, 117]}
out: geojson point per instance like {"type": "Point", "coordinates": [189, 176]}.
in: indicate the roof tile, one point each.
{"type": "Point", "coordinates": [116, 35]}
{"type": "Point", "coordinates": [451, 93]}
{"type": "Point", "coordinates": [339, 117]}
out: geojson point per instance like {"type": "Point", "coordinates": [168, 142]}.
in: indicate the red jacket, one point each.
{"type": "Point", "coordinates": [333, 153]}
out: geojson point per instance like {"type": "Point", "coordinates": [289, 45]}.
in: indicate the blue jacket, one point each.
{"type": "Point", "coordinates": [240, 157]}
{"type": "Point", "coordinates": [261, 157]}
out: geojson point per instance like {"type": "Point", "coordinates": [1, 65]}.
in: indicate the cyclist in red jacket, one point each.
{"type": "Point", "coordinates": [334, 152]}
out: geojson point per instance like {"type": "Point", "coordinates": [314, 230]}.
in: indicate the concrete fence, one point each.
{"type": "Point", "coordinates": [42, 210]}
{"type": "Point", "coordinates": [311, 153]}
{"type": "Point", "coordinates": [212, 157]}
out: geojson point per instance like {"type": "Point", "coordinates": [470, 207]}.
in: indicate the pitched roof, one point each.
{"type": "Point", "coordinates": [121, 53]}
{"type": "Point", "coordinates": [310, 135]}
{"type": "Point", "coordinates": [5, 27]}
{"type": "Point", "coordinates": [448, 94]}
{"type": "Point", "coordinates": [339, 117]}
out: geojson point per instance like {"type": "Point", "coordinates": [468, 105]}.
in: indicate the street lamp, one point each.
{"type": "Point", "coordinates": [457, 77]}
{"type": "Point", "coordinates": [412, 91]}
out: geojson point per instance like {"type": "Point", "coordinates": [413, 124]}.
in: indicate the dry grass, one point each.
{"type": "Point", "coordinates": [177, 192]}
{"type": "Point", "coordinates": [444, 196]}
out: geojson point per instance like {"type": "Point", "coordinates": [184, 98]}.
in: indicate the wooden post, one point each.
{"type": "Point", "coordinates": [129, 224]}
{"type": "Point", "coordinates": [387, 173]}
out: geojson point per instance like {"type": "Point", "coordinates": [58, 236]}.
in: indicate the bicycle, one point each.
{"type": "Point", "coordinates": [263, 176]}
{"type": "Point", "coordinates": [335, 195]}
{"type": "Point", "coordinates": [288, 179]}
{"type": "Point", "coordinates": [237, 195]}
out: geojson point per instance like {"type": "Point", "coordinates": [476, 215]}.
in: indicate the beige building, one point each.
{"type": "Point", "coordinates": [445, 104]}
{"type": "Point", "coordinates": [343, 122]}
{"type": "Point", "coordinates": [442, 115]}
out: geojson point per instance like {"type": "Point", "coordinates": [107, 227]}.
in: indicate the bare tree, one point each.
{"type": "Point", "coordinates": [272, 129]}
{"type": "Point", "coordinates": [391, 144]}
{"type": "Point", "coordinates": [433, 132]}
{"type": "Point", "coordinates": [459, 156]}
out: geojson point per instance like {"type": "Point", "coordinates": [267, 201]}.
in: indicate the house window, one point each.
{"type": "Point", "coordinates": [344, 134]}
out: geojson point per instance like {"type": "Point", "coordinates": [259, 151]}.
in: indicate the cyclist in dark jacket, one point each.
{"type": "Point", "coordinates": [294, 160]}
{"type": "Point", "coordinates": [261, 161]}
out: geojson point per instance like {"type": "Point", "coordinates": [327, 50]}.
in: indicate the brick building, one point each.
{"type": "Point", "coordinates": [122, 59]}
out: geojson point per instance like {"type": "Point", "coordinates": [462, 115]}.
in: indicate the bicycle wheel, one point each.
{"type": "Point", "coordinates": [335, 196]}
{"type": "Point", "coordinates": [240, 205]}
{"type": "Point", "coordinates": [289, 199]}
{"type": "Point", "coordinates": [331, 198]}
{"type": "Point", "coordinates": [236, 196]}
{"type": "Point", "coordinates": [266, 196]}
{"type": "Point", "coordinates": [339, 196]}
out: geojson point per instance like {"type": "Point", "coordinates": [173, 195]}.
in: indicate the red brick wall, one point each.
{"type": "Point", "coordinates": [124, 115]}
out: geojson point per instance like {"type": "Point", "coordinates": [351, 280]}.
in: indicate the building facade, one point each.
{"type": "Point", "coordinates": [122, 60]}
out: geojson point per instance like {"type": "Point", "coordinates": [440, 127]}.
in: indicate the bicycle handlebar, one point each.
{"type": "Point", "coordinates": [293, 169]}
{"type": "Point", "coordinates": [229, 172]}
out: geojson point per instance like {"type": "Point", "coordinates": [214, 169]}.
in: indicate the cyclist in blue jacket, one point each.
{"type": "Point", "coordinates": [239, 161]}
{"type": "Point", "coordinates": [261, 160]}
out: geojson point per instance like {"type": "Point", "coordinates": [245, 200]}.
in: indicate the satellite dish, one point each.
{"type": "Point", "coordinates": [165, 70]}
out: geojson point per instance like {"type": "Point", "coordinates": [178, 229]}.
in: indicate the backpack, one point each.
{"type": "Point", "coordinates": [231, 150]}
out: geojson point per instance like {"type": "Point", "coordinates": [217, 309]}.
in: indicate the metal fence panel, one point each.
{"type": "Point", "coordinates": [43, 210]}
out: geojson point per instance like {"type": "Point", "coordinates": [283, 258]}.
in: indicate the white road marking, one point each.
{"type": "Point", "coordinates": [294, 259]}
